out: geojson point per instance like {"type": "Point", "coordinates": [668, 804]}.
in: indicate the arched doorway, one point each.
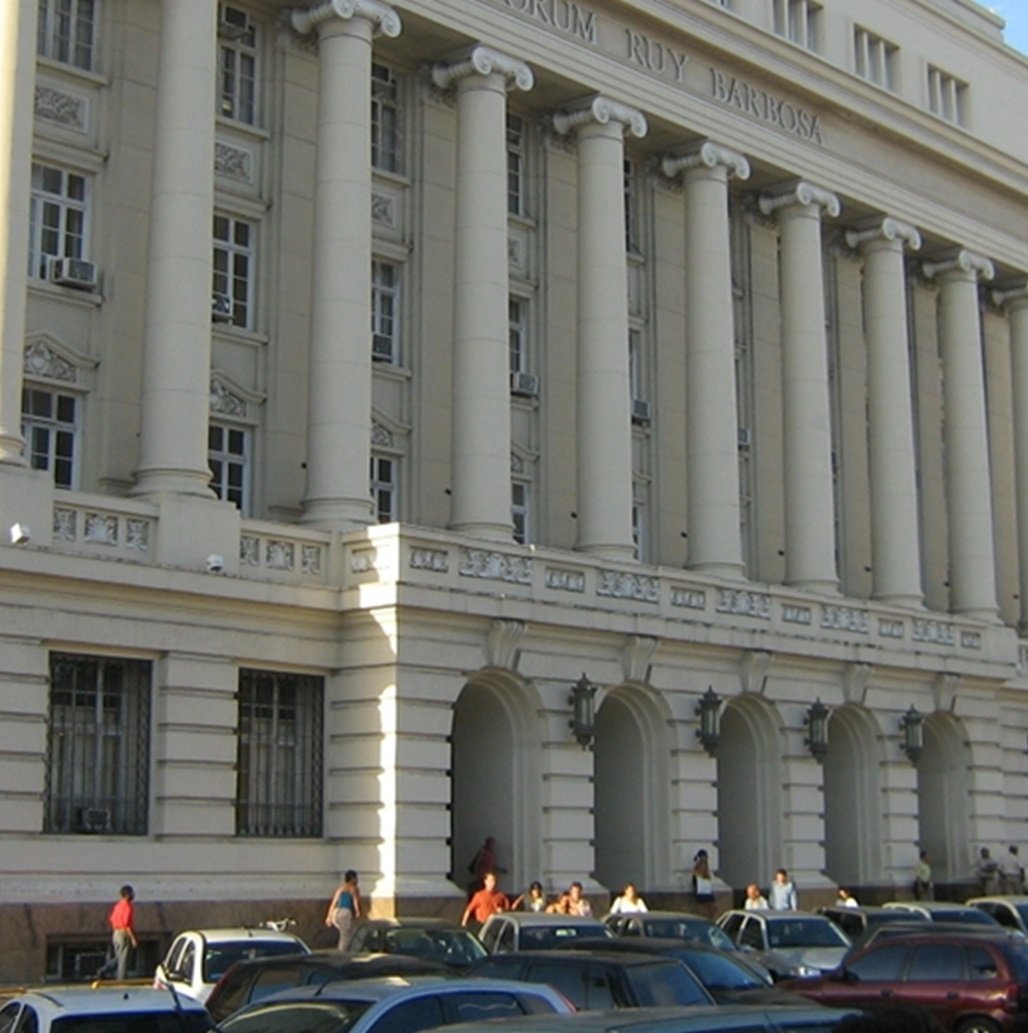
{"type": "Point", "coordinates": [749, 788]}
{"type": "Point", "coordinates": [631, 790]}
{"type": "Point", "coordinates": [852, 795]}
{"type": "Point", "coordinates": [495, 777]}
{"type": "Point", "coordinates": [943, 795]}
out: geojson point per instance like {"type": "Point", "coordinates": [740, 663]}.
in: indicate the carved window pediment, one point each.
{"type": "Point", "coordinates": [48, 359]}
{"type": "Point", "coordinates": [229, 398]}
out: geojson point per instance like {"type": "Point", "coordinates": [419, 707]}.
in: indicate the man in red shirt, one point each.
{"type": "Point", "coordinates": [123, 932]}
{"type": "Point", "coordinates": [487, 901]}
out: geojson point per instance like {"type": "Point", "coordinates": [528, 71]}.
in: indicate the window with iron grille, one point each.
{"type": "Point", "coordinates": [521, 510]}
{"type": "Point", "coordinates": [384, 488]}
{"type": "Point", "coordinates": [874, 58]}
{"type": "Point", "coordinates": [66, 31]}
{"type": "Point", "coordinates": [385, 311]}
{"type": "Point", "coordinates": [237, 41]}
{"type": "Point", "coordinates": [799, 21]}
{"type": "Point", "coordinates": [280, 754]}
{"type": "Point", "coordinates": [98, 745]}
{"type": "Point", "coordinates": [515, 164]}
{"type": "Point", "coordinates": [517, 334]}
{"type": "Point", "coordinates": [234, 262]}
{"type": "Point", "coordinates": [385, 119]}
{"type": "Point", "coordinates": [631, 180]}
{"type": "Point", "coordinates": [58, 217]}
{"type": "Point", "coordinates": [947, 96]}
{"type": "Point", "coordinates": [49, 425]}
{"type": "Point", "coordinates": [228, 455]}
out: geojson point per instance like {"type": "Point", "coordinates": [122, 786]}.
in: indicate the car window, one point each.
{"type": "Point", "coordinates": [936, 963]}
{"type": "Point", "coordinates": [1002, 914]}
{"type": "Point", "coordinates": [667, 982]}
{"type": "Point", "coordinates": [752, 936]}
{"type": "Point", "coordinates": [981, 965]}
{"type": "Point", "coordinates": [9, 1016]}
{"type": "Point", "coordinates": [566, 976]}
{"type": "Point", "coordinates": [631, 927]}
{"type": "Point", "coordinates": [505, 938]}
{"type": "Point", "coordinates": [296, 1017]}
{"type": "Point", "coordinates": [731, 925]}
{"type": "Point", "coordinates": [882, 965]}
{"type": "Point", "coordinates": [133, 1022]}
{"type": "Point", "coordinates": [28, 1021]}
{"type": "Point", "coordinates": [409, 1016]}
{"type": "Point", "coordinates": [186, 960]}
{"type": "Point", "coordinates": [171, 960]}
{"type": "Point", "coordinates": [805, 932]}
{"type": "Point", "coordinates": [221, 957]}
{"type": "Point", "coordinates": [481, 1005]}
{"type": "Point", "coordinates": [602, 990]}
{"type": "Point", "coordinates": [363, 940]}
{"type": "Point", "coordinates": [271, 980]}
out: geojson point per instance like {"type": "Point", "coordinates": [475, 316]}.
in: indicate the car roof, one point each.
{"type": "Point", "coordinates": [613, 957]}
{"type": "Point", "coordinates": [925, 905]}
{"type": "Point", "coordinates": [413, 922]}
{"type": "Point", "coordinates": [330, 958]}
{"type": "Point", "coordinates": [640, 945]}
{"type": "Point", "coordinates": [775, 916]}
{"type": "Point", "coordinates": [83, 1000]}
{"type": "Point", "coordinates": [542, 918]}
{"type": "Point", "coordinates": [1017, 899]}
{"type": "Point", "coordinates": [229, 934]}
{"type": "Point", "coordinates": [685, 916]}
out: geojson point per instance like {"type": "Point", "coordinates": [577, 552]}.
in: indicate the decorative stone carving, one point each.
{"type": "Point", "coordinates": [233, 162]}
{"type": "Point", "coordinates": [481, 60]}
{"type": "Point", "coordinates": [564, 580]}
{"type": "Point", "coordinates": [385, 20]}
{"type": "Point", "coordinates": [796, 614]}
{"type": "Point", "coordinates": [249, 551]}
{"type": "Point", "coordinates": [885, 229]}
{"type": "Point", "coordinates": [381, 437]}
{"type": "Point", "coordinates": [844, 618]}
{"type": "Point", "coordinates": [495, 565]}
{"type": "Point", "coordinates": [429, 559]}
{"type": "Point", "coordinates": [501, 646]}
{"type": "Point", "coordinates": [363, 561]}
{"type": "Point", "coordinates": [625, 585]}
{"type": "Point", "coordinates": [855, 681]}
{"type": "Point", "coordinates": [279, 555]}
{"type": "Point", "coordinates": [311, 559]}
{"type": "Point", "coordinates": [944, 690]}
{"type": "Point", "coordinates": [754, 669]}
{"type": "Point", "coordinates": [100, 528]}
{"type": "Point", "coordinates": [224, 401]}
{"type": "Point", "coordinates": [137, 534]}
{"type": "Point", "coordinates": [383, 210]}
{"type": "Point", "coordinates": [971, 639]}
{"type": "Point", "coordinates": [708, 154]}
{"type": "Point", "coordinates": [932, 631]}
{"type": "Point", "coordinates": [801, 193]}
{"type": "Point", "coordinates": [601, 110]}
{"type": "Point", "coordinates": [637, 656]}
{"type": "Point", "coordinates": [65, 524]}
{"type": "Point", "coordinates": [888, 628]}
{"type": "Point", "coordinates": [64, 109]}
{"type": "Point", "coordinates": [963, 261]}
{"type": "Point", "coordinates": [689, 598]}
{"type": "Point", "coordinates": [743, 602]}
{"type": "Point", "coordinates": [42, 361]}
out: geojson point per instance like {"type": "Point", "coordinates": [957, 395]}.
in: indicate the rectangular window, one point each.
{"type": "Point", "coordinates": [234, 266]}
{"type": "Point", "coordinates": [798, 21]}
{"type": "Point", "coordinates": [631, 206]}
{"type": "Point", "coordinates": [66, 31]}
{"type": "Point", "coordinates": [58, 217]}
{"type": "Point", "coordinates": [635, 373]}
{"type": "Point", "coordinates": [385, 312]}
{"type": "Point", "coordinates": [385, 119]}
{"type": "Point", "coordinates": [873, 58]}
{"type": "Point", "coordinates": [98, 745]}
{"type": "Point", "coordinates": [515, 165]}
{"type": "Point", "coordinates": [947, 96]}
{"type": "Point", "coordinates": [521, 510]}
{"type": "Point", "coordinates": [237, 43]}
{"type": "Point", "coordinates": [517, 335]}
{"type": "Point", "coordinates": [384, 477]}
{"type": "Point", "coordinates": [280, 754]}
{"type": "Point", "coordinates": [228, 454]}
{"type": "Point", "coordinates": [49, 424]}
{"type": "Point", "coordinates": [640, 511]}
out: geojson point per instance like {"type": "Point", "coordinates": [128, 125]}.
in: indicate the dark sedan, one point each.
{"type": "Point", "coordinates": [431, 939]}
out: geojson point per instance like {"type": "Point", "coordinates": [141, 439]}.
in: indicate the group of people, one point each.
{"type": "Point", "coordinates": [1005, 875]}
{"type": "Point", "coordinates": [490, 900]}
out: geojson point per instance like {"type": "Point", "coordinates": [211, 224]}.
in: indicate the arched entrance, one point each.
{"type": "Point", "coordinates": [495, 781]}
{"type": "Point", "coordinates": [852, 795]}
{"type": "Point", "coordinates": [943, 794]}
{"type": "Point", "coordinates": [631, 790]}
{"type": "Point", "coordinates": [749, 788]}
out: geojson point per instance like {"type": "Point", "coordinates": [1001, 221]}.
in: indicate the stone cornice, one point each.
{"type": "Point", "coordinates": [801, 193]}
{"type": "Point", "coordinates": [889, 229]}
{"type": "Point", "coordinates": [385, 20]}
{"type": "Point", "coordinates": [482, 60]}
{"type": "Point", "coordinates": [709, 155]}
{"type": "Point", "coordinates": [962, 262]}
{"type": "Point", "coordinates": [600, 110]}
{"type": "Point", "coordinates": [1016, 295]}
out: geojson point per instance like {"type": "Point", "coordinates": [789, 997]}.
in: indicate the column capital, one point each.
{"type": "Point", "coordinates": [1013, 294]}
{"type": "Point", "coordinates": [601, 111]}
{"type": "Point", "coordinates": [962, 261]}
{"type": "Point", "coordinates": [385, 21]}
{"type": "Point", "coordinates": [888, 229]}
{"type": "Point", "coordinates": [482, 60]}
{"type": "Point", "coordinates": [709, 155]}
{"type": "Point", "coordinates": [800, 193]}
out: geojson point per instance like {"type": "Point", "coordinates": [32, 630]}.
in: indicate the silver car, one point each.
{"type": "Point", "coordinates": [789, 944]}
{"type": "Point", "coordinates": [528, 930]}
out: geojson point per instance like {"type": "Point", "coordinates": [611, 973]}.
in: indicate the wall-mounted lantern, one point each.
{"type": "Point", "coordinates": [817, 729]}
{"type": "Point", "coordinates": [912, 725]}
{"type": "Point", "coordinates": [708, 710]}
{"type": "Point", "coordinates": [582, 702]}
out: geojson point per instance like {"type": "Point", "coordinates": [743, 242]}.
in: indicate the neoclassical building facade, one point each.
{"type": "Point", "coordinates": [599, 424]}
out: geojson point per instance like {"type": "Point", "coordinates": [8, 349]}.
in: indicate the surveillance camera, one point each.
{"type": "Point", "coordinates": [20, 534]}
{"type": "Point", "coordinates": [215, 563]}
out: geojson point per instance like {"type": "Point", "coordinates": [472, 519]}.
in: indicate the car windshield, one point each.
{"type": "Point", "coordinates": [968, 915]}
{"type": "Point", "coordinates": [716, 972]}
{"type": "Point", "coordinates": [542, 937]}
{"type": "Point", "coordinates": [297, 1017]}
{"type": "Point", "coordinates": [683, 929]}
{"type": "Point", "coordinates": [450, 946]}
{"type": "Point", "coordinates": [134, 1022]}
{"type": "Point", "coordinates": [220, 957]}
{"type": "Point", "coordinates": [666, 983]}
{"type": "Point", "coordinates": [804, 932]}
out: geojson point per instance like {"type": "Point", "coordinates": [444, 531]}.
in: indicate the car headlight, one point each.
{"type": "Point", "coordinates": [802, 971]}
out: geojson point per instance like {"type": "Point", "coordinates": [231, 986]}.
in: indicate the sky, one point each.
{"type": "Point", "coordinates": [1015, 14]}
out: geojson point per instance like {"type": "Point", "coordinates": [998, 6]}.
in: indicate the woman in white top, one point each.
{"type": "Point", "coordinates": [629, 901]}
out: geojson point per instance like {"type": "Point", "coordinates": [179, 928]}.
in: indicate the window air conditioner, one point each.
{"type": "Point", "coordinates": [92, 819]}
{"type": "Point", "coordinates": [221, 308]}
{"type": "Point", "coordinates": [642, 411]}
{"type": "Point", "coordinates": [524, 384]}
{"type": "Point", "coordinates": [73, 272]}
{"type": "Point", "coordinates": [744, 437]}
{"type": "Point", "coordinates": [229, 30]}
{"type": "Point", "coordinates": [381, 348]}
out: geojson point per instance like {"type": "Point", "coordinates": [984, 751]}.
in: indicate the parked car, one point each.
{"type": "Point", "coordinates": [970, 982]}
{"type": "Point", "coordinates": [698, 1019]}
{"type": "Point", "coordinates": [942, 911]}
{"type": "Point", "coordinates": [394, 1005]}
{"type": "Point", "coordinates": [669, 924]}
{"type": "Point", "coordinates": [527, 930]}
{"type": "Point", "coordinates": [787, 943]}
{"type": "Point", "coordinates": [856, 921]}
{"type": "Point", "coordinates": [601, 979]}
{"type": "Point", "coordinates": [1010, 911]}
{"type": "Point", "coordinates": [110, 1009]}
{"type": "Point", "coordinates": [198, 958]}
{"type": "Point", "coordinates": [248, 981]}
{"type": "Point", "coordinates": [429, 938]}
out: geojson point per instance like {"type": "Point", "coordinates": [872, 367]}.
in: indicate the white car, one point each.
{"type": "Point", "coordinates": [197, 959]}
{"type": "Point", "coordinates": [111, 1009]}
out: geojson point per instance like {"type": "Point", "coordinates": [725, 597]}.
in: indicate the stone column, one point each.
{"type": "Point", "coordinates": [972, 559]}
{"type": "Point", "coordinates": [604, 397]}
{"type": "Point", "coordinates": [712, 420]}
{"type": "Point", "coordinates": [895, 535]}
{"type": "Point", "coordinates": [1016, 301]}
{"type": "Point", "coordinates": [177, 329]}
{"type": "Point", "coordinates": [17, 82]}
{"type": "Point", "coordinates": [481, 500]}
{"type": "Point", "coordinates": [339, 362]}
{"type": "Point", "coordinates": [807, 428]}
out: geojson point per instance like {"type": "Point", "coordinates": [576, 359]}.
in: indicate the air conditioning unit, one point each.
{"type": "Point", "coordinates": [92, 819]}
{"type": "Point", "coordinates": [381, 348]}
{"type": "Point", "coordinates": [642, 411]}
{"type": "Point", "coordinates": [524, 384]}
{"type": "Point", "coordinates": [744, 437]}
{"type": "Point", "coordinates": [230, 30]}
{"type": "Point", "coordinates": [221, 308]}
{"type": "Point", "coordinates": [73, 272]}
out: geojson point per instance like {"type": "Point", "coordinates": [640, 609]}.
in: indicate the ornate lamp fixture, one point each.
{"type": "Point", "coordinates": [912, 725]}
{"type": "Point", "coordinates": [817, 729]}
{"type": "Point", "coordinates": [708, 710]}
{"type": "Point", "coordinates": [582, 721]}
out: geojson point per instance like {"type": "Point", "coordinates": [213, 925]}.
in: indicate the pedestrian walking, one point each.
{"type": "Point", "coordinates": [702, 883]}
{"type": "Point", "coordinates": [1011, 872]}
{"type": "Point", "coordinates": [122, 921]}
{"type": "Point", "coordinates": [987, 871]}
{"type": "Point", "coordinates": [345, 908]}
{"type": "Point", "coordinates": [755, 900]}
{"type": "Point", "coordinates": [628, 902]}
{"type": "Point", "coordinates": [782, 895]}
{"type": "Point", "coordinates": [489, 900]}
{"type": "Point", "coordinates": [924, 888]}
